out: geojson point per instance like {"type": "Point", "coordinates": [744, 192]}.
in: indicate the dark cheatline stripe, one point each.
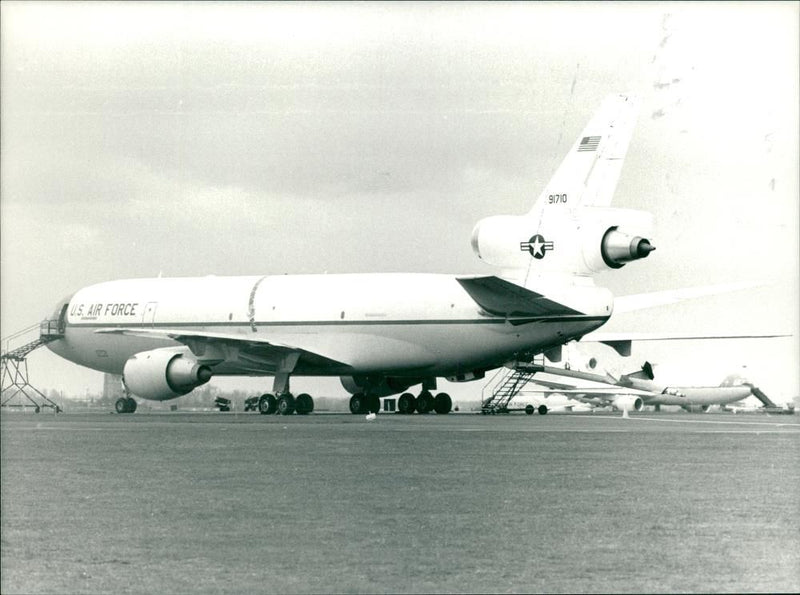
{"type": "Point", "coordinates": [267, 324]}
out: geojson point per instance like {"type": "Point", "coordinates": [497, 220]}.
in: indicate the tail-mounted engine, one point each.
{"type": "Point", "coordinates": [163, 374]}
{"type": "Point", "coordinates": [584, 241]}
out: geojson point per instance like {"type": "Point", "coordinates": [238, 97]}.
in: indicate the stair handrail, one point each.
{"type": "Point", "coordinates": [497, 378]}
{"type": "Point", "coordinates": [6, 341]}
{"type": "Point", "coordinates": [20, 333]}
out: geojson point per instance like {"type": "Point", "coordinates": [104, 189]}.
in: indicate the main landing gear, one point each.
{"type": "Point", "coordinates": [125, 405]}
{"type": "Point", "coordinates": [286, 404]}
{"type": "Point", "coordinates": [406, 404]}
{"type": "Point", "coordinates": [283, 401]}
{"type": "Point", "coordinates": [361, 403]}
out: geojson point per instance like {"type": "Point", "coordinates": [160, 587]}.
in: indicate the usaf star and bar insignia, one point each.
{"type": "Point", "coordinates": [537, 246]}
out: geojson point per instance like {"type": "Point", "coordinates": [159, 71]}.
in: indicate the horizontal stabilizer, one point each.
{"type": "Point", "coordinates": [631, 303]}
{"type": "Point", "coordinates": [624, 339]}
{"type": "Point", "coordinates": [503, 298]}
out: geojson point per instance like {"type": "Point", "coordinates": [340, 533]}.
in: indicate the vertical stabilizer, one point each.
{"type": "Point", "coordinates": [572, 232]}
{"type": "Point", "coordinates": [589, 173]}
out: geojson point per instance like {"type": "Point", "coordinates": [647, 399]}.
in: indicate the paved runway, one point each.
{"type": "Point", "coordinates": [177, 502]}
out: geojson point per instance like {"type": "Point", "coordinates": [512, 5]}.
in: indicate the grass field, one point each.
{"type": "Point", "coordinates": [179, 503]}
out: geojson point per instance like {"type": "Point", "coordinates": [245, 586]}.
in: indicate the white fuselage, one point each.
{"type": "Point", "coordinates": [408, 325]}
{"type": "Point", "coordinates": [702, 396]}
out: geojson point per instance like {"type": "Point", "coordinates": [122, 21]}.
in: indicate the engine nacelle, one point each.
{"type": "Point", "coordinates": [627, 403]}
{"type": "Point", "coordinates": [582, 241]}
{"type": "Point", "coordinates": [379, 387]}
{"type": "Point", "coordinates": [617, 248]}
{"type": "Point", "coordinates": [163, 374]}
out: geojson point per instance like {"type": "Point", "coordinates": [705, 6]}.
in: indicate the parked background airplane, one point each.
{"type": "Point", "coordinates": [633, 391]}
{"type": "Point", "coordinates": [380, 333]}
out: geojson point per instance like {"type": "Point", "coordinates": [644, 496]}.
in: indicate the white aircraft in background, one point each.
{"type": "Point", "coordinates": [543, 402]}
{"type": "Point", "coordinates": [632, 391]}
{"type": "Point", "coordinates": [380, 333]}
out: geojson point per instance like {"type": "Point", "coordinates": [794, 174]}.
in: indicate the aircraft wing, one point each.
{"type": "Point", "coordinates": [211, 345]}
{"type": "Point", "coordinates": [595, 396]}
{"type": "Point", "coordinates": [556, 386]}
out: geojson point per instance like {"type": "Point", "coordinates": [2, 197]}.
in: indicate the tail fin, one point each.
{"type": "Point", "coordinates": [646, 373]}
{"type": "Point", "coordinates": [589, 173]}
{"type": "Point", "coordinates": [571, 233]}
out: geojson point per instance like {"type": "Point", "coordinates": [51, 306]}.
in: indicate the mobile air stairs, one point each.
{"type": "Point", "coordinates": [507, 384]}
{"type": "Point", "coordinates": [15, 388]}
{"type": "Point", "coordinates": [769, 404]}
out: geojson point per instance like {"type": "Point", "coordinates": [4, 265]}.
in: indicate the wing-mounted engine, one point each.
{"type": "Point", "coordinates": [627, 403]}
{"type": "Point", "coordinates": [581, 242]}
{"type": "Point", "coordinates": [163, 374]}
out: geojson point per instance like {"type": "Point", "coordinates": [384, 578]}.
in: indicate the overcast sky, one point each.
{"type": "Point", "coordinates": [187, 139]}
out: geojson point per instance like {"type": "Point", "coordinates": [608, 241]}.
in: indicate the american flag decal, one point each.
{"type": "Point", "coordinates": [589, 143]}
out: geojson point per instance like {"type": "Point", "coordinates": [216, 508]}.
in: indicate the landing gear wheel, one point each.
{"type": "Point", "coordinates": [372, 403]}
{"type": "Point", "coordinates": [358, 403]}
{"type": "Point", "coordinates": [529, 409]}
{"type": "Point", "coordinates": [442, 404]}
{"type": "Point", "coordinates": [303, 404]}
{"type": "Point", "coordinates": [131, 405]}
{"type": "Point", "coordinates": [121, 406]}
{"type": "Point", "coordinates": [542, 409]}
{"type": "Point", "coordinates": [267, 404]}
{"type": "Point", "coordinates": [407, 403]}
{"type": "Point", "coordinates": [286, 404]}
{"type": "Point", "coordinates": [424, 402]}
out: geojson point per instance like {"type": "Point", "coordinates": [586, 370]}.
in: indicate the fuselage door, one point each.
{"type": "Point", "coordinates": [149, 315]}
{"type": "Point", "coordinates": [62, 319]}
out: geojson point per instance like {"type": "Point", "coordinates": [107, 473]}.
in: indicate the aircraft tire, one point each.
{"type": "Point", "coordinates": [304, 404]}
{"type": "Point", "coordinates": [406, 404]}
{"type": "Point", "coordinates": [529, 409]}
{"type": "Point", "coordinates": [357, 403]}
{"type": "Point", "coordinates": [542, 409]}
{"type": "Point", "coordinates": [131, 405]}
{"type": "Point", "coordinates": [372, 404]}
{"type": "Point", "coordinates": [121, 406]}
{"type": "Point", "coordinates": [442, 404]}
{"type": "Point", "coordinates": [286, 404]}
{"type": "Point", "coordinates": [424, 402]}
{"type": "Point", "coordinates": [267, 404]}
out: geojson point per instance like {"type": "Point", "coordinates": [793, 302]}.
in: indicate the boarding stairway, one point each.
{"type": "Point", "coordinates": [15, 388]}
{"type": "Point", "coordinates": [758, 394]}
{"type": "Point", "coordinates": [769, 404]}
{"type": "Point", "coordinates": [507, 384]}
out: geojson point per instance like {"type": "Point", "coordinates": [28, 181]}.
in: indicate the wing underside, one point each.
{"type": "Point", "coordinates": [231, 350]}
